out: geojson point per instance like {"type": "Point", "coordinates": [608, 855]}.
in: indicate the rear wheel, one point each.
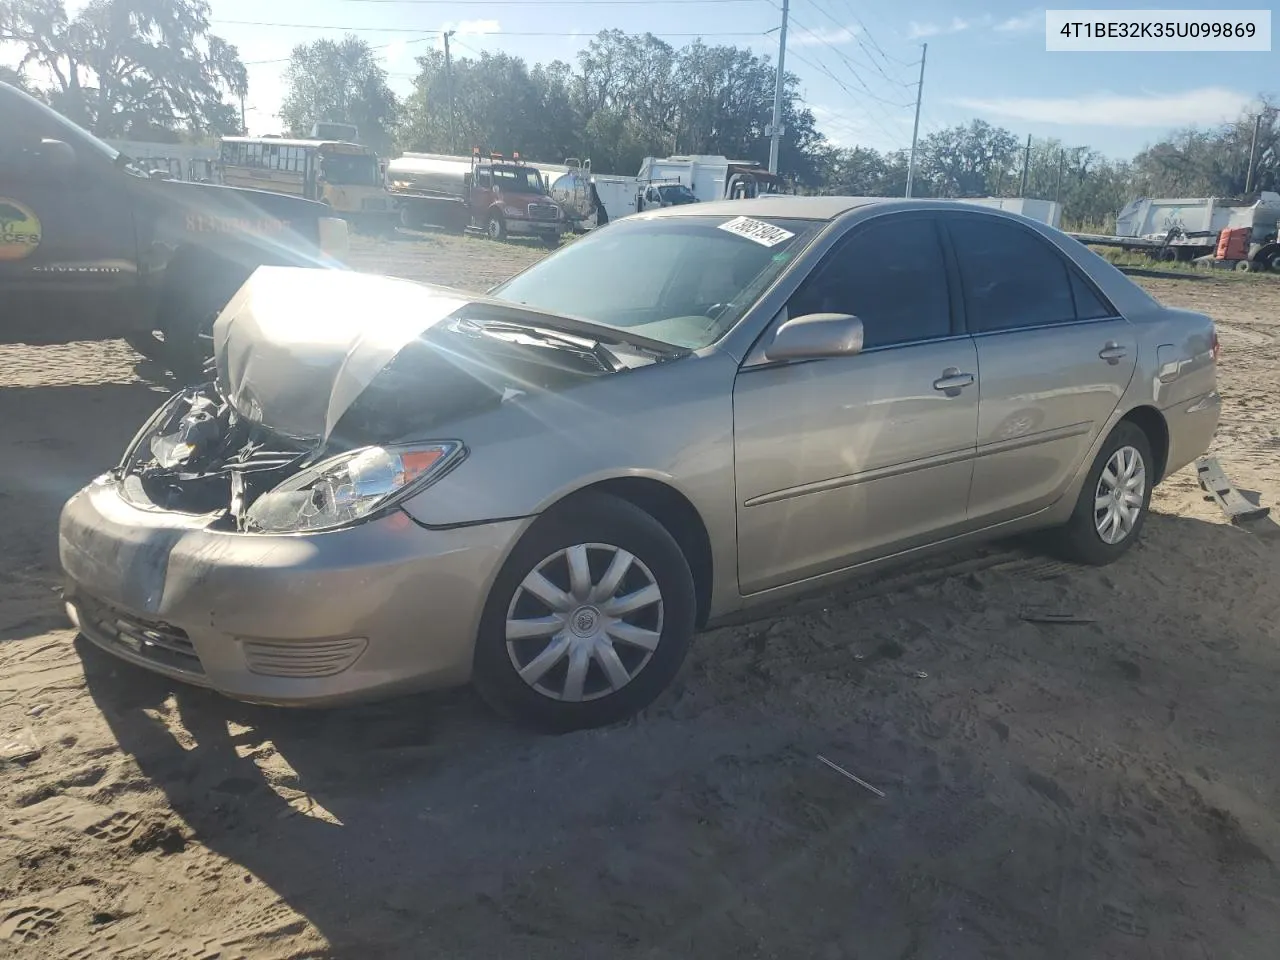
{"type": "Point", "coordinates": [589, 619]}
{"type": "Point", "coordinates": [1113, 503]}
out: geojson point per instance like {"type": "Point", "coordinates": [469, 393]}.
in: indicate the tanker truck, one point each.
{"type": "Point", "coordinates": [490, 194]}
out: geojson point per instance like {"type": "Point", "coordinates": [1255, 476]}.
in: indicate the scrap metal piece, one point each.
{"type": "Point", "coordinates": [1233, 503]}
{"type": "Point", "coordinates": [858, 780]}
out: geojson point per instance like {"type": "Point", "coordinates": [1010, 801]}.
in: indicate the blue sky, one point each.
{"type": "Point", "coordinates": [857, 61]}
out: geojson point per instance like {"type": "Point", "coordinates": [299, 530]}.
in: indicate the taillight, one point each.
{"type": "Point", "coordinates": [1214, 347]}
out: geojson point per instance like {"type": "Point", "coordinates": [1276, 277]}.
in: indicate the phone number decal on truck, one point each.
{"type": "Point", "coordinates": [202, 223]}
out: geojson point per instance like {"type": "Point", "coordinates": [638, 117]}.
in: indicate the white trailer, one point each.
{"type": "Point", "coordinates": [710, 176]}
{"type": "Point", "coordinates": [1188, 228]}
{"type": "Point", "coordinates": [1045, 211]}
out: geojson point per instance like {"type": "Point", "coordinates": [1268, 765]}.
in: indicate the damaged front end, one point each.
{"type": "Point", "coordinates": [198, 456]}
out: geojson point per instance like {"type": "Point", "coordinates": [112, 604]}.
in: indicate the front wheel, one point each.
{"type": "Point", "coordinates": [589, 619]}
{"type": "Point", "coordinates": [1114, 500]}
{"type": "Point", "coordinates": [496, 227]}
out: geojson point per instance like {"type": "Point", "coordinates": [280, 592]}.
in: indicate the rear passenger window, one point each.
{"type": "Point", "coordinates": [1011, 277]}
{"type": "Point", "coordinates": [889, 274]}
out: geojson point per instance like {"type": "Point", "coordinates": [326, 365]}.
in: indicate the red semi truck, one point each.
{"type": "Point", "coordinates": [490, 194]}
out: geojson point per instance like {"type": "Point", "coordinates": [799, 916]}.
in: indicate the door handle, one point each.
{"type": "Point", "coordinates": [1113, 352]}
{"type": "Point", "coordinates": [953, 381]}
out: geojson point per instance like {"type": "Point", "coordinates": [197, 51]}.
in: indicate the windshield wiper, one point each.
{"type": "Point", "coordinates": [543, 335]}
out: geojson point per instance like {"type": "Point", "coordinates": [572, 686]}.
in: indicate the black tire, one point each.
{"type": "Point", "coordinates": [197, 286]}
{"type": "Point", "coordinates": [1079, 540]}
{"type": "Point", "coordinates": [590, 518]}
{"type": "Point", "coordinates": [496, 227]}
{"type": "Point", "coordinates": [147, 344]}
{"type": "Point", "coordinates": [551, 241]}
{"type": "Point", "coordinates": [189, 338]}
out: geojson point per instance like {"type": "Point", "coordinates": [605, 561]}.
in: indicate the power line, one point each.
{"type": "Point", "coordinates": [865, 29]}
{"type": "Point", "coordinates": [548, 3]}
{"type": "Point", "coordinates": [501, 33]}
{"type": "Point", "coordinates": [855, 35]}
{"type": "Point", "coordinates": [843, 86]}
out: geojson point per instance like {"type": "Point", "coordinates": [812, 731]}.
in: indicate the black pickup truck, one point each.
{"type": "Point", "coordinates": [92, 247]}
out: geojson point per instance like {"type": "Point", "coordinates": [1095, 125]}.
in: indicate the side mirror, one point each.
{"type": "Point", "coordinates": [815, 336]}
{"type": "Point", "coordinates": [57, 155]}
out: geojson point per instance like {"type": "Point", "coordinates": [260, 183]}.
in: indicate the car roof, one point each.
{"type": "Point", "coordinates": [775, 205]}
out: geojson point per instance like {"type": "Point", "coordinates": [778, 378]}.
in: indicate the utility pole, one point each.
{"type": "Point", "coordinates": [1026, 167]}
{"type": "Point", "coordinates": [1062, 162]}
{"type": "Point", "coordinates": [1253, 155]}
{"type": "Point", "coordinates": [915, 128]}
{"type": "Point", "coordinates": [448, 86]}
{"type": "Point", "coordinates": [775, 128]}
{"type": "Point", "coordinates": [244, 127]}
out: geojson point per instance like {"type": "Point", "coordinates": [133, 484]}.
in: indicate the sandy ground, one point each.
{"type": "Point", "coordinates": [1099, 790]}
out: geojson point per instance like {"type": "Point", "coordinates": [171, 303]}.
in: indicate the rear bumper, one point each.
{"type": "Point", "coordinates": [1191, 427]}
{"type": "Point", "coordinates": [371, 610]}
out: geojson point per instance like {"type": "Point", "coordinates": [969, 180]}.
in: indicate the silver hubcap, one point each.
{"type": "Point", "coordinates": [495, 229]}
{"type": "Point", "coordinates": [584, 622]}
{"type": "Point", "coordinates": [1118, 500]}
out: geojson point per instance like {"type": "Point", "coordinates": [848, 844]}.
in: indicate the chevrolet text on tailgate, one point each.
{"type": "Point", "coordinates": [93, 247]}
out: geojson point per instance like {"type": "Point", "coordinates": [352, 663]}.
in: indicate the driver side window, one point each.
{"type": "Point", "coordinates": [890, 274]}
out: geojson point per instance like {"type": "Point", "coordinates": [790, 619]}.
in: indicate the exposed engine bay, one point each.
{"type": "Point", "coordinates": [200, 455]}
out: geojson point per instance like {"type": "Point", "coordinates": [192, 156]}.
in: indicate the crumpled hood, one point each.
{"type": "Point", "coordinates": [295, 347]}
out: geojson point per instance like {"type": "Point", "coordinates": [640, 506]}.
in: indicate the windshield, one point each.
{"type": "Point", "coordinates": [351, 169]}
{"type": "Point", "coordinates": [517, 180]}
{"type": "Point", "coordinates": [681, 280]}
{"type": "Point", "coordinates": [55, 126]}
{"type": "Point", "coordinates": [677, 193]}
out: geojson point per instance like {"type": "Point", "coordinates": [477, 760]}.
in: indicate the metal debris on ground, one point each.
{"type": "Point", "coordinates": [1214, 481]}
{"type": "Point", "coordinates": [20, 749]}
{"type": "Point", "coordinates": [858, 780]}
{"type": "Point", "coordinates": [1055, 618]}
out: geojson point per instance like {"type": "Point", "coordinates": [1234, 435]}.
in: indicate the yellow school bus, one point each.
{"type": "Point", "coordinates": [346, 176]}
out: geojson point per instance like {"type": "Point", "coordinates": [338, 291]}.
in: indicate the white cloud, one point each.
{"type": "Point", "coordinates": [1208, 105]}
{"type": "Point", "coordinates": [393, 52]}
{"type": "Point", "coordinates": [473, 28]}
{"type": "Point", "coordinates": [823, 35]}
{"type": "Point", "coordinates": [931, 28]}
{"type": "Point", "coordinates": [921, 31]}
{"type": "Point", "coordinates": [1027, 21]}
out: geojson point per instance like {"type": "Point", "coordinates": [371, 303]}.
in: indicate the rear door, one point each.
{"type": "Point", "coordinates": [1055, 358]}
{"type": "Point", "coordinates": [846, 459]}
{"type": "Point", "coordinates": [68, 247]}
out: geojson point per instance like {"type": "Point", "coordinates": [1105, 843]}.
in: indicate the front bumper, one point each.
{"type": "Point", "coordinates": [535, 228]}
{"type": "Point", "coordinates": [380, 608]}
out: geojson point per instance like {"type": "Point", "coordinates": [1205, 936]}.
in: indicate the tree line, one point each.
{"type": "Point", "coordinates": [151, 69]}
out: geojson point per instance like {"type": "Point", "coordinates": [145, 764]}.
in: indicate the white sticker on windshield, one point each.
{"type": "Point", "coordinates": [765, 234]}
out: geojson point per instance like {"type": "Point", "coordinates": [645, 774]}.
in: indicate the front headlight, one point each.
{"type": "Point", "coordinates": [350, 487]}
{"type": "Point", "coordinates": [513, 211]}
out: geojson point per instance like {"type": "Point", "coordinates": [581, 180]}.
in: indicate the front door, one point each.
{"type": "Point", "coordinates": [68, 247]}
{"type": "Point", "coordinates": [1055, 357]}
{"type": "Point", "coordinates": [846, 459]}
